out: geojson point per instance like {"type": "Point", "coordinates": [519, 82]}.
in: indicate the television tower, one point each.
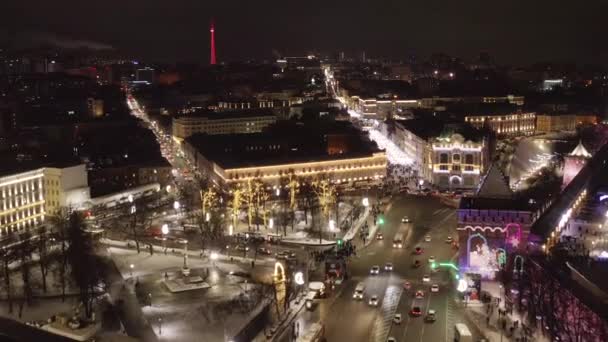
{"type": "Point", "coordinates": [212, 31]}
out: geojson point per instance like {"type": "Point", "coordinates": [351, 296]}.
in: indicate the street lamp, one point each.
{"type": "Point", "coordinates": [131, 269]}
{"type": "Point", "coordinates": [278, 192]}
{"type": "Point", "coordinates": [270, 223]}
{"type": "Point", "coordinates": [207, 217]}
{"type": "Point", "coordinates": [130, 198]}
{"type": "Point", "coordinates": [332, 225]}
{"type": "Point", "coordinates": [365, 202]}
{"type": "Point", "coordinates": [176, 205]}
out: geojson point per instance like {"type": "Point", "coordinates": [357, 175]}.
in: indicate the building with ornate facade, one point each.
{"type": "Point", "coordinates": [493, 227]}
{"type": "Point", "coordinates": [515, 123]}
{"type": "Point", "coordinates": [559, 122]}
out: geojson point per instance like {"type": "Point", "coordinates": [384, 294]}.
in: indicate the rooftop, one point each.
{"type": "Point", "coordinates": [284, 142]}
{"type": "Point", "coordinates": [247, 113]}
{"type": "Point", "coordinates": [432, 127]}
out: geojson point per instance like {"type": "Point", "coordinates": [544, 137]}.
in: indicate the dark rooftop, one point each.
{"type": "Point", "coordinates": [284, 142]}
{"type": "Point", "coordinates": [473, 109]}
{"type": "Point", "coordinates": [432, 127]}
{"type": "Point", "coordinates": [244, 113]}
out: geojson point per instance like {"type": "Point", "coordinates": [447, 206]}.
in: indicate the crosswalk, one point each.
{"type": "Point", "coordinates": [450, 320]}
{"type": "Point", "coordinates": [383, 321]}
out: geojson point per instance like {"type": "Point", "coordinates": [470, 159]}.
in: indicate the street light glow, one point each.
{"type": "Point", "coordinates": [165, 229]}
{"type": "Point", "coordinates": [213, 256]}
{"type": "Point", "coordinates": [332, 225]}
{"type": "Point", "coordinates": [176, 205]}
{"type": "Point", "coordinates": [270, 223]}
{"type": "Point", "coordinates": [299, 278]}
{"type": "Point", "coordinates": [462, 285]}
{"type": "Point", "coordinates": [365, 202]}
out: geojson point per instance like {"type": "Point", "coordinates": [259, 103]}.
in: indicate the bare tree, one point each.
{"type": "Point", "coordinates": [42, 247]}
{"type": "Point", "coordinates": [8, 256]}
{"type": "Point", "coordinates": [87, 269]}
{"type": "Point", "coordinates": [59, 225]}
{"type": "Point", "coordinates": [24, 251]}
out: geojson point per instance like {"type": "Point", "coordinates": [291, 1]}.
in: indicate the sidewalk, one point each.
{"type": "Point", "coordinates": [282, 327]}
{"type": "Point", "coordinates": [497, 327]}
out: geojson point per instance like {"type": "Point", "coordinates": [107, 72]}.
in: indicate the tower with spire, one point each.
{"type": "Point", "coordinates": [212, 60]}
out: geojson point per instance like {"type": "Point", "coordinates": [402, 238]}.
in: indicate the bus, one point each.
{"type": "Point", "coordinates": [462, 333]}
{"type": "Point", "coordinates": [398, 240]}
{"type": "Point", "coordinates": [314, 333]}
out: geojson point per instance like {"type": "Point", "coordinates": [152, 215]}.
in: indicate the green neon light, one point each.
{"type": "Point", "coordinates": [448, 264]}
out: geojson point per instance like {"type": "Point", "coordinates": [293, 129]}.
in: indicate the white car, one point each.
{"type": "Point", "coordinates": [373, 301]}
{"type": "Point", "coordinates": [405, 219]}
{"type": "Point", "coordinates": [449, 239]}
{"type": "Point", "coordinates": [388, 266]}
{"type": "Point", "coordinates": [391, 339]}
{"type": "Point", "coordinates": [426, 278]}
{"type": "Point", "coordinates": [397, 319]}
{"type": "Point", "coordinates": [434, 288]}
{"type": "Point", "coordinates": [375, 270]}
{"type": "Point", "coordinates": [427, 238]}
{"type": "Point", "coordinates": [431, 259]}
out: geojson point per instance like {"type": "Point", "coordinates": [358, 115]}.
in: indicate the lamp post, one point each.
{"type": "Point", "coordinates": [165, 231]}
{"type": "Point", "coordinates": [131, 269]}
{"type": "Point", "coordinates": [160, 326]}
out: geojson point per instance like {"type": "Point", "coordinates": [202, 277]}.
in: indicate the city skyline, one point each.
{"type": "Point", "coordinates": [516, 32]}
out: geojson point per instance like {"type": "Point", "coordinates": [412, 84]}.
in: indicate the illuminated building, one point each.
{"type": "Point", "coordinates": [340, 153]}
{"type": "Point", "coordinates": [381, 107]}
{"type": "Point", "coordinates": [449, 156]}
{"type": "Point", "coordinates": [511, 124]}
{"type": "Point", "coordinates": [145, 75]}
{"type": "Point", "coordinates": [233, 122]}
{"type": "Point", "coordinates": [493, 227]}
{"type": "Point", "coordinates": [65, 187]}
{"type": "Point", "coordinates": [457, 163]}
{"type": "Point", "coordinates": [559, 122]}
{"type": "Point", "coordinates": [574, 162]}
{"type": "Point", "coordinates": [22, 201]}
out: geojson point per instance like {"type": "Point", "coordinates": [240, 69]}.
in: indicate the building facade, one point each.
{"type": "Point", "coordinates": [221, 123]}
{"type": "Point", "coordinates": [546, 123]}
{"type": "Point", "coordinates": [493, 228]}
{"type": "Point", "coordinates": [345, 171]}
{"type": "Point", "coordinates": [456, 163]}
{"type": "Point", "coordinates": [22, 201]}
{"type": "Point", "coordinates": [65, 187]}
{"type": "Point", "coordinates": [511, 124]}
{"type": "Point", "coordinates": [382, 108]}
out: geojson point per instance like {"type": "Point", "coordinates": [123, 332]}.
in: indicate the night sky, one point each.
{"type": "Point", "coordinates": [515, 31]}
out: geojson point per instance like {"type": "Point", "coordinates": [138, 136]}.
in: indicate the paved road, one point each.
{"type": "Point", "coordinates": [347, 319]}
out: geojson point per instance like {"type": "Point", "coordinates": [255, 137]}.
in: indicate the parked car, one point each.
{"type": "Point", "coordinates": [264, 251]}
{"type": "Point", "coordinates": [431, 316]}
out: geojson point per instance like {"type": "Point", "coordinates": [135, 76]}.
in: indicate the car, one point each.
{"type": "Point", "coordinates": [418, 250]}
{"type": "Point", "coordinates": [419, 294]}
{"type": "Point", "coordinates": [416, 311]}
{"type": "Point", "coordinates": [397, 318]}
{"type": "Point", "coordinates": [379, 236]}
{"type": "Point", "coordinates": [264, 251]}
{"type": "Point", "coordinates": [373, 300]}
{"type": "Point", "coordinates": [407, 285]}
{"type": "Point", "coordinates": [449, 239]}
{"type": "Point", "coordinates": [242, 248]}
{"type": "Point", "coordinates": [375, 270]}
{"type": "Point", "coordinates": [405, 219]}
{"type": "Point", "coordinates": [431, 316]}
{"type": "Point", "coordinates": [427, 238]}
{"type": "Point", "coordinates": [426, 278]}
{"type": "Point", "coordinates": [416, 263]}
{"type": "Point", "coordinates": [388, 266]}
{"type": "Point", "coordinates": [434, 288]}
{"type": "Point", "coordinates": [285, 255]}
{"type": "Point", "coordinates": [391, 339]}
{"type": "Point", "coordinates": [431, 259]}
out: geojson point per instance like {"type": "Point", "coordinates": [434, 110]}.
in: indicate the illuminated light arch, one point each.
{"type": "Point", "coordinates": [483, 229]}
{"type": "Point", "coordinates": [513, 238]}
{"type": "Point", "coordinates": [456, 177]}
{"type": "Point", "coordinates": [504, 261]}
{"type": "Point", "coordinates": [278, 266]}
{"type": "Point", "coordinates": [471, 238]}
{"type": "Point", "coordinates": [603, 197]}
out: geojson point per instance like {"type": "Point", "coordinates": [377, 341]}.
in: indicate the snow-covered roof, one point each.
{"type": "Point", "coordinates": [494, 185]}
{"type": "Point", "coordinates": [580, 151]}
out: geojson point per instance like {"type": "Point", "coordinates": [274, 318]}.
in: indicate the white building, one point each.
{"type": "Point", "coordinates": [21, 201]}
{"type": "Point", "coordinates": [27, 197]}
{"type": "Point", "coordinates": [65, 187]}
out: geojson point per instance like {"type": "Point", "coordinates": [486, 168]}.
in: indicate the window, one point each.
{"type": "Point", "coordinates": [456, 158]}
{"type": "Point", "coordinates": [443, 167]}
{"type": "Point", "coordinates": [468, 168]}
{"type": "Point", "coordinates": [468, 159]}
{"type": "Point", "coordinates": [455, 167]}
{"type": "Point", "coordinates": [443, 158]}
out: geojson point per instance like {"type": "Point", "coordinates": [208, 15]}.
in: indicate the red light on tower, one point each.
{"type": "Point", "coordinates": [212, 31]}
